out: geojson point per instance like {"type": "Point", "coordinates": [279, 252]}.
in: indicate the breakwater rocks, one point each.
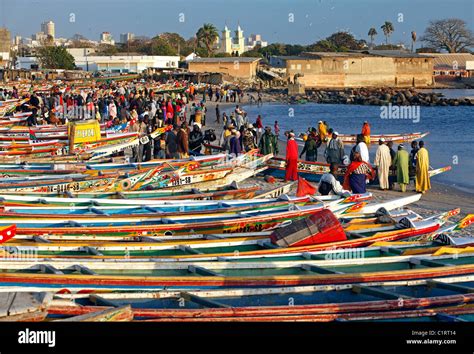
{"type": "Point", "coordinates": [374, 97]}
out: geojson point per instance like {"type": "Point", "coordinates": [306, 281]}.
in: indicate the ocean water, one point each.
{"type": "Point", "coordinates": [450, 140]}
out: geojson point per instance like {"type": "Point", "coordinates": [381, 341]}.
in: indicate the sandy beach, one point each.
{"type": "Point", "coordinates": [440, 198]}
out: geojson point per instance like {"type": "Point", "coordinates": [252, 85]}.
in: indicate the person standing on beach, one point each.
{"type": "Point", "coordinates": [196, 139]}
{"type": "Point", "coordinates": [402, 164]}
{"type": "Point", "coordinates": [276, 127]}
{"type": "Point", "coordinates": [172, 143]}
{"type": "Point", "coordinates": [311, 146]}
{"type": "Point", "coordinates": [366, 132]}
{"type": "Point", "coordinates": [334, 150]}
{"type": "Point", "coordinates": [362, 148]}
{"type": "Point", "coordinates": [322, 131]}
{"type": "Point", "coordinates": [268, 143]}
{"type": "Point", "coordinates": [414, 150]}
{"type": "Point", "coordinates": [291, 158]}
{"type": "Point", "coordinates": [422, 169]}
{"type": "Point", "coordinates": [183, 142]}
{"type": "Point", "coordinates": [259, 126]}
{"type": "Point", "coordinates": [218, 114]}
{"type": "Point", "coordinates": [383, 162]}
{"type": "Point", "coordinates": [248, 138]}
{"type": "Point", "coordinates": [235, 144]}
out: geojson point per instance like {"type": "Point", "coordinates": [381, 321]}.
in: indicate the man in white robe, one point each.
{"type": "Point", "coordinates": [383, 162]}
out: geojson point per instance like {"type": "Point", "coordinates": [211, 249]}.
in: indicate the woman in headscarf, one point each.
{"type": "Point", "coordinates": [291, 158]}
{"type": "Point", "coordinates": [356, 175]}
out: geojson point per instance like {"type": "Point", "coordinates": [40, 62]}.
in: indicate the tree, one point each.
{"type": "Point", "coordinates": [413, 40]}
{"type": "Point", "coordinates": [175, 41]}
{"type": "Point", "coordinates": [274, 49]}
{"type": "Point", "coordinates": [450, 34]}
{"type": "Point", "coordinates": [427, 50]}
{"type": "Point", "coordinates": [207, 36]}
{"type": "Point", "coordinates": [159, 46]}
{"type": "Point", "coordinates": [294, 49]}
{"type": "Point", "coordinates": [252, 54]}
{"type": "Point", "coordinates": [322, 46]}
{"type": "Point", "coordinates": [372, 33]}
{"type": "Point", "coordinates": [107, 50]}
{"type": "Point", "coordinates": [52, 57]}
{"type": "Point", "coordinates": [387, 29]}
{"type": "Point", "coordinates": [344, 41]}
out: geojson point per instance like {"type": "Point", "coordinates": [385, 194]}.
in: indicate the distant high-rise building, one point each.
{"type": "Point", "coordinates": [254, 40]}
{"type": "Point", "coordinates": [5, 46]}
{"type": "Point", "coordinates": [17, 40]}
{"type": "Point", "coordinates": [126, 37]}
{"type": "Point", "coordinates": [48, 28]}
{"type": "Point", "coordinates": [106, 38]}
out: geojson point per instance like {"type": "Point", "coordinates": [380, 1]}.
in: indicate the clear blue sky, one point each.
{"type": "Point", "coordinates": [313, 19]}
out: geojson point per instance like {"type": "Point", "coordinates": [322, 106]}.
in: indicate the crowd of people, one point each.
{"type": "Point", "coordinates": [138, 108]}
{"type": "Point", "coordinates": [359, 169]}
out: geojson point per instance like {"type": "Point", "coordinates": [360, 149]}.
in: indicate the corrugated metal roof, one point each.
{"type": "Point", "coordinates": [449, 60]}
{"type": "Point", "coordinates": [394, 54]}
{"type": "Point", "coordinates": [225, 60]}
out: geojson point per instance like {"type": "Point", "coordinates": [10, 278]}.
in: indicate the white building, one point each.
{"type": "Point", "coordinates": [116, 63]}
{"type": "Point", "coordinates": [106, 38]}
{"type": "Point", "coordinates": [26, 63]}
{"type": "Point", "coordinates": [254, 40]}
{"type": "Point", "coordinates": [227, 44]}
{"type": "Point", "coordinates": [81, 52]}
{"type": "Point", "coordinates": [48, 28]}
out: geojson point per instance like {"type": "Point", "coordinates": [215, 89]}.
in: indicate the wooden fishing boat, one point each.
{"type": "Point", "coordinates": [244, 224]}
{"type": "Point", "coordinates": [297, 303]}
{"type": "Point", "coordinates": [396, 138]}
{"type": "Point", "coordinates": [73, 281]}
{"type": "Point", "coordinates": [256, 245]}
{"type": "Point", "coordinates": [24, 306]}
{"type": "Point", "coordinates": [131, 217]}
{"type": "Point", "coordinates": [312, 171]}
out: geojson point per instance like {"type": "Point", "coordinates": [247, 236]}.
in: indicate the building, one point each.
{"type": "Point", "coordinates": [451, 65]}
{"type": "Point", "coordinates": [255, 40]}
{"type": "Point", "coordinates": [106, 38]}
{"type": "Point", "coordinates": [39, 37]}
{"type": "Point", "coordinates": [126, 37]}
{"type": "Point", "coordinates": [234, 67]}
{"type": "Point", "coordinates": [81, 52]}
{"type": "Point", "coordinates": [115, 64]}
{"type": "Point", "coordinates": [359, 69]}
{"type": "Point", "coordinates": [5, 46]}
{"type": "Point", "coordinates": [48, 28]}
{"type": "Point", "coordinates": [231, 45]}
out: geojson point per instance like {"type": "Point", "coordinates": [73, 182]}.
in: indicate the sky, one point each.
{"type": "Point", "coordinates": [287, 21]}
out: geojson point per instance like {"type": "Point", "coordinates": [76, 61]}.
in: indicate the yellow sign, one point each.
{"type": "Point", "coordinates": [84, 132]}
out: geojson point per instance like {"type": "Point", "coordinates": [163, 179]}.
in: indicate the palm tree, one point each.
{"type": "Point", "coordinates": [207, 35]}
{"type": "Point", "coordinates": [413, 40]}
{"type": "Point", "coordinates": [388, 29]}
{"type": "Point", "coordinates": [372, 33]}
